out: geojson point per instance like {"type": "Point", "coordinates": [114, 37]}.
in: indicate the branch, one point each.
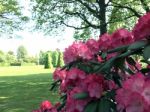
{"type": "Point", "coordinates": [126, 7]}
{"type": "Point", "coordinates": [88, 7]}
{"type": "Point", "coordinates": [83, 17]}
{"type": "Point", "coordinates": [2, 16]}
{"type": "Point", "coordinates": [78, 28]}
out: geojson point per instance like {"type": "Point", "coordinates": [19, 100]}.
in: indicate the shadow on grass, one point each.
{"type": "Point", "coordinates": [24, 93]}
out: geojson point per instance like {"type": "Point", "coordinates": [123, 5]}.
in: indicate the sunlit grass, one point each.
{"type": "Point", "coordinates": [22, 70]}
{"type": "Point", "coordinates": [23, 88]}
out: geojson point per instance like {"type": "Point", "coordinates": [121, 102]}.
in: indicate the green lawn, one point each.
{"type": "Point", "coordinates": [23, 88]}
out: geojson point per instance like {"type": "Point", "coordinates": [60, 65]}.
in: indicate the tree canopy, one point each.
{"type": "Point", "coordinates": [21, 53]}
{"type": "Point", "coordinates": [10, 16]}
{"type": "Point", "coordinates": [95, 14]}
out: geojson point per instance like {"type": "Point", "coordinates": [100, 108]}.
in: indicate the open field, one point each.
{"type": "Point", "coordinates": [23, 88]}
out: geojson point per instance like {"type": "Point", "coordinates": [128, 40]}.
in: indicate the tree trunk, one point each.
{"type": "Point", "coordinates": [102, 16]}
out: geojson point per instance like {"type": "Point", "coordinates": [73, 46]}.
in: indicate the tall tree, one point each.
{"type": "Point", "coordinates": [21, 53]}
{"type": "Point", "coordinates": [55, 55]}
{"type": "Point", "coordinates": [10, 16]}
{"type": "Point", "coordinates": [60, 62]}
{"type": "Point", "coordinates": [48, 61]}
{"type": "Point", "coordinates": [96, 14]}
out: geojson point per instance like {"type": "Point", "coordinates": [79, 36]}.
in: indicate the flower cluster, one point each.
{"type": "Point", "coordinates": [142, 28]}
{"type": "Point", "coordinates": [134, 96]}
{"type": "Point", "coordinates": [105, 72]}
{"type": "Point", "coordinates": [77, 81]}
{"type": "Point", "coordinates": [46, 106]}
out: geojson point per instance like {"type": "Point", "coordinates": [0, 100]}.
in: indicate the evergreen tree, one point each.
{"type": "Point", "coordinates": [48, 61]}
{"type": "Point", "coordinates": [60, 62]}
{"type": "Point", "coordinates": [55, 55]}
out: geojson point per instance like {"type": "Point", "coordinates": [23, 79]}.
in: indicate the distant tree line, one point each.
{"type": "Point", "coordinates": [49, 59]}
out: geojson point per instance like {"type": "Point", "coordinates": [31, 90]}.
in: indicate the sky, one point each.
{"type": "Point", "coordinates": [36, 41]}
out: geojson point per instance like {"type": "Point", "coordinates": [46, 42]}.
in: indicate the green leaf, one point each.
{"type": "Point", "coordinates": [137, 45]}
{"type": "Point", "coordinates": [104, 55]}
{"type": "Point", "coordinates": [146, 53]}
{"type": "Point", "coordinates": [122, 48]}
{"type": "Point", "coordinates": [125, 54]}
{"type": "Point", "coordinates": [81, 95]}
{"type": "Point", "coordinates": [104, 105]}
{"type": "Point", "coordinates": [110, 94]}
{"type": "Point", "coordinates": [107, 66]}
{"type": "Point", "coordinates": [91, 107]}
{"type": "Point", "coordinates": [117, 78]}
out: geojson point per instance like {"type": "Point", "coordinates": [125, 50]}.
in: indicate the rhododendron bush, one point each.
{"type": "Point", "coordinates": [104, 75]}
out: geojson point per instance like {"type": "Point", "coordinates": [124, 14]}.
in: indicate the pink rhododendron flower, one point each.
{"type": "Point", "coordinates": [134, 96]}
{"type": "Point", "coordinates": [121, 37]}
{"type": "Point", "coordinates": [94, 84]}
{"type": "Point", "coordinates": [118, 38]}
{"type": "Point", "coordinates": [76, 51]}
{"type": "Point", "coordinates": [142, 29]}
{"type": "Point", "coordinates": [135, 83]}
{"type": "Point", "coordinates": [45, 105]}
{"type": "Point", "coordinates": [73, 78]}
{"type": "Point", "coordinates": [59, 74]}
{"type": "Point", "coordinates": [105, 42]}
{"type": "Point", "coordinates": [75, 105]}
{"type": "Point", "coordinates": [109, 85]}
{"type": "Point", "coordinates": [146, 92]}
{"type": "Point", "coordinates": [75, 73]}
{"type": "Point", "coordinates": [93, 46]}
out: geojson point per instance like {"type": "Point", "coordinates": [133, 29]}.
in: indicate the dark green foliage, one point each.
{"type": "Point", "coordinates": [81, 96]}
{"type": "Point", "coordinates": [146, 53]}
{"type": "Point", "coordinates": [48, 61]}
{"type": "Point", "coordinates": [55, 56]}
{"type": "Point", "coordinates": [60, 62]}
{"type": "Point", "coordinates": [15, 64]}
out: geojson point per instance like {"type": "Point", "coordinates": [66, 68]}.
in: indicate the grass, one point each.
{"type": "Point", "coordinates": [23, 88]}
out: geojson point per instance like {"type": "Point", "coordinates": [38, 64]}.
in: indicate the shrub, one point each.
{"type": "Point", "coordinates": [102, 75]}
{"type": "Point", "coordinates": [15, 64]}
